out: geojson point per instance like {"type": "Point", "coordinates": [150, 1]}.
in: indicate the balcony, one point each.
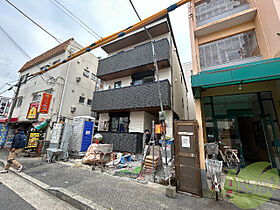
{"type": "Point", "coordinates": [138, 97]}
{"type": "Point", "coordinates": [138, 59]}
{"type": "Point", "coordinates": [210, 11]}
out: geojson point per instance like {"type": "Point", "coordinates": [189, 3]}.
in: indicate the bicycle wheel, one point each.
{"type": "Point", "coordinates": [217, 196]}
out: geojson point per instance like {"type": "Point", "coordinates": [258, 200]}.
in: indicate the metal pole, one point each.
{"type": "Point", "coordinates": [153, 142]}
{"type": "Point", "coordinates": [164, 140]}
{"type": "Point", "coordinates": [63, 93]}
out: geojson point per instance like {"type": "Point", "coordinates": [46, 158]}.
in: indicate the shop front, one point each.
{"type": "Point", "coordinates": [240, 106]}
{"type": "Point", "coordinates": [246, 122]}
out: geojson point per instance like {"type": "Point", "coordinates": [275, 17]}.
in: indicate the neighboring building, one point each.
{"type": "Point", "coordinates": [189, 103]}
{"type": "Point", "coordinates": [129, 101]}
{"type": "Point", "coordinates": [236, 67]}
{"type": "Point", "coordinates": [5, 103]}
{"type": "Point", "coordinates": [77, 77]}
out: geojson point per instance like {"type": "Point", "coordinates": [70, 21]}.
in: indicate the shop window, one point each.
{"type": "Point", "coordinates": [143, 77]}
{"type": "Point", "coordinates": [86, 73]}
{"type": "Point", "coordinates": [118, 84]}
{"type": "Point", "coordinates": [207, 11]}
{"type": "Point", "coordinates": [89, 102]}
{"type": "Point", "coordinates": [234, 48]}
{"type": "Point", "coordinates": [81, 99]}
{"type": "Point", "coordinates": [119, 122]}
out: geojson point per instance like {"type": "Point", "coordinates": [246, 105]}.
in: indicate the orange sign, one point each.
{"type": "Point", "coordinates": [32, 111]}
{"type": "Point", "coordinates": [45, 104]}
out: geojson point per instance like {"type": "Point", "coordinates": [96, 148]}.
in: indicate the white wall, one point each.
{"type": "Point", "coordinates": [73, 89]}
{"type": "Point", "coordinates": [169, 121]}
{"type": "Point", "coordinates": [189, 103]}
{"type": "Point", "coordinates": [148, 121]}
{"type": "Point", "coordinates": [103, 119]}
{"type": "Point", "coordinates": [136, 123]}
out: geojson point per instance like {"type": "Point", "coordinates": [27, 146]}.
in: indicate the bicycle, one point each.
{"type": "Point", "coordinates": [214, 167]}
{"type": "Point", "coordinates": [229, 157]}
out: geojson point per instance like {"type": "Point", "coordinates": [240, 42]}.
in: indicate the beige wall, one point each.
{"type": "Point", "coordinates": [266, 25]}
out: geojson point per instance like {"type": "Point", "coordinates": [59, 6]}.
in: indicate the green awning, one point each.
{"type": "Point", "coordinates": [249, 72]}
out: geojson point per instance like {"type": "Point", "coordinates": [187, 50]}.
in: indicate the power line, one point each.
{"type": "Point", "coordinates": [10, 39]}
{"type": "Point", "coordinates": [75, 18]}
{"type": "Point", "coordinates": [33, 21]}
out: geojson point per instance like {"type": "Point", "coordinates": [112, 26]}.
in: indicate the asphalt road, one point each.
{"type": "Point", "coordinates": [9, 200]}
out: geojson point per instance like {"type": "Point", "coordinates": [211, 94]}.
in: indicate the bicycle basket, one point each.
{"type": "Point", "coordinates": [214, 166]}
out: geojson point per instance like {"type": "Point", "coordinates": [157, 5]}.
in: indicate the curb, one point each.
{"type": "Point", "coordinates": [63, 194]}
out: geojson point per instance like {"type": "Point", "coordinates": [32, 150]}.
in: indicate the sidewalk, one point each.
{"type": "Point", "coordinates": [104, 190]}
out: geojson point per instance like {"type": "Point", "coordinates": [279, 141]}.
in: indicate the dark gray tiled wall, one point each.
{"type": "Point", "coordinates": [139, 56]}
{"type": "Point", "coordinates": [138, 96]}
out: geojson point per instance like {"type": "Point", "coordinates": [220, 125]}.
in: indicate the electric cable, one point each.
{"type": "Point", "coordinates": [75, 18]}
{"type": "Point", "coordinates": [10, 39]}
{"type": "Point", "coordinates": [32, 21]}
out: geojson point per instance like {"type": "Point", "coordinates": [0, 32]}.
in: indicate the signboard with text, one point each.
{"type": "Point", "coordinates": [33, 140]}
{"type": "Point", "coordinates": [3, 133]}
{"type": "Point", "coordinates": [33, 111]}
{"type": "Point", "coordinates": [45, 104]}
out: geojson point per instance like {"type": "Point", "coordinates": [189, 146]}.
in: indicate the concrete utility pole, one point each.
{"type": "Point", "coordinates": [14, 102]}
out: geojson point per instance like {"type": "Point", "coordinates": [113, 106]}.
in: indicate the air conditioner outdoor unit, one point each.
{"type": "Point", "coordinates": [73, 109]}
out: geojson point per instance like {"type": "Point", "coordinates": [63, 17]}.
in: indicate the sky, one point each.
{"type": "Point", "coordinates": [103, 16]}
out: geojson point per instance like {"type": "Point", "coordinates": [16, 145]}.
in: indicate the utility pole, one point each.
{"type": "Point", "coordinates": [14, 102]}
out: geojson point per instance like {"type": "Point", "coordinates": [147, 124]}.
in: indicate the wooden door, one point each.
{"type": "Point", "coordinates": [188, 175]}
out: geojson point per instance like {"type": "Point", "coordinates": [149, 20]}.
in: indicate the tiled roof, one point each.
{"type": "Point", "coordinates": [47, 55]}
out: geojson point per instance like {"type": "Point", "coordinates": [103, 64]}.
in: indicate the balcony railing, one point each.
{"type": "Point", "coordinates": [132, 97]}
{"type": "Point", "coordinates": [136, 57]}
{"type": "Point", "coordinates": [209, 11]}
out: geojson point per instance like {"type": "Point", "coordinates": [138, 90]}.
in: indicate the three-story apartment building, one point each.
{"type": "Point", "coordinates": [129, 100]}
{"type": "Point", "coordinates": [236, 65]}
{"type": "Point", "coordinates": [60, 94]}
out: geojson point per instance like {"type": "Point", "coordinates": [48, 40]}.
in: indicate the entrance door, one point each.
{"type": "Point", "coordinates": [87, 136]}
{"type": "Point", "coordinates": [272, 142]}
{"type": "Point", "coordinates": [188, 175]}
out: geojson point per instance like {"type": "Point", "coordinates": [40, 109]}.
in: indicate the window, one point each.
{"type": "Point", "coordinates": [82, 99]}
{"type": "Point", "coordinates": [142, 77]}
{"type": "Point", "coordinates": [93, 77]}
{"type": "Point", "coordinates": [19, 102]}
{"type": "Point", "coordinates": [36, 97]}
{"type": "Point", "coordinates": [89, 102]}
{"type": "Point", "coordinates": [86, 73]}
{"type": "Point", "coordinates": [119, 122]}
{"type": "Point", "coordinates": [234, 48]}
{"type": "Point", "coordinates": [207, 11]}
{"type": "Point", "coordinates": [49, 91]}
{"type": "Point", "coordinates": [57, 61]}
{"type": "Point", "coordinates": [118, 84]}
{"type": "Point", "coordinates": [45, 66]}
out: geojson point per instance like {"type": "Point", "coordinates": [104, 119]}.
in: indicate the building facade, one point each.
{"type": "Point", "coordinates": [129, 100]}
{"type": "Point", "coordinates": [236, 65]}
{"type": "Point", "coordinates": [65, 91]}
